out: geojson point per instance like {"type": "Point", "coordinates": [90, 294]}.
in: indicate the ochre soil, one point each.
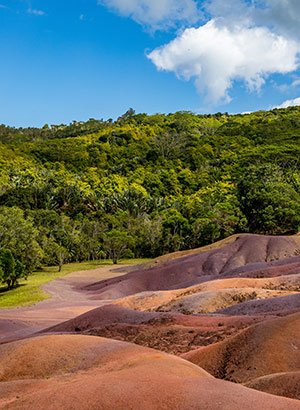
{"type": "Point", "coordinates": [230, 311]}
{"type": "Point", "coordinates": [87, 373]}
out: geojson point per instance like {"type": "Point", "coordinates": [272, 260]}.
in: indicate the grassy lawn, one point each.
{"type": "Point", "coordinates": [29, 291]}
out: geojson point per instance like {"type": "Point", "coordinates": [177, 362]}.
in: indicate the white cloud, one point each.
{"type": "Point", "coordinates": [296, 82]}
{"type": "Point", "coordinates": [215, 56]}
{"type": "Point", "coordinates": [289, 103]}
{"type": "Point", "coordinates": [243, 40]}
{"type": "Point", "coordinates": [36, 12]}
{"type": "Point", "coordinates": [156, 13]}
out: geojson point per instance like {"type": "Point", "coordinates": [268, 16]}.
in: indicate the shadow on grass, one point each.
{"type": "Point", "coordinates": [4, 289]}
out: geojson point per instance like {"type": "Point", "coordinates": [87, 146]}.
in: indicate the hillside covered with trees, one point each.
{"type": "Point", "coordinates": [144, 185]}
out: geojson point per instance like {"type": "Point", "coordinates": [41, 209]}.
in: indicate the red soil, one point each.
{"type": "Point", "coordinates": [281, 384]}
{"type": "Point", "coordinates": [118, 376]}
{"type": "Point", "coordinates": [169, 332]}
{"type": "Point", "coordinates": [263, 349]}
{"type": "Point", "coordinates": [244, 341]}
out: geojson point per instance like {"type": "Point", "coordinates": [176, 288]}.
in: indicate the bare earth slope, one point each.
{"type": "Point", "coordinates": [116, 375]}
{"type": "Point", "coordinates": [281, 384]}
{"type": "Point", "coordinates": [263, 349]}
{"type": "Point", "coordinates": [248, 256]}
{"type": "Point", "coordinates": [232, 309]}
{"type": "Point", "coordinates": [169, 332]}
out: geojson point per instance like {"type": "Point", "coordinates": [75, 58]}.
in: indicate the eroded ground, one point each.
{"type": "Point", "coordinates": [228, 314]}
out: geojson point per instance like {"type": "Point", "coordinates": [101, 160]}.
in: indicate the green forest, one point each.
{"type": "Point", "coordinates": [144, 185]}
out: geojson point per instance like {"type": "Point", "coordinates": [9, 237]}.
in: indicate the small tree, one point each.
{"type": "Point", "coordinates": [117, 244]}
{"type": "Point", "coordinates": [56, 254]}
{"type": "Point", "coordinates": [10, 269]}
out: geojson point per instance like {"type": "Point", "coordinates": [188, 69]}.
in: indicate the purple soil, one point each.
{"type": "Point", "coordinates": [241, 343]}
{"type": "Point", "coordinates": [281, 305]}
{"type": "Point", "coordinates": [249, 256]}
{"type": "Point", "coordinates": [103, 316]}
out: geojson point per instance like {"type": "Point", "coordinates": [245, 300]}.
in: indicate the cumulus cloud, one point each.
{"type": "Point", "coordinates": [243, 40]}
{"type": "Point", "coordinates": [156, 13]}
{"type": "Point", "coordinates": [215, 56]}
{"type": "Point", "coordinates": [289, 103]}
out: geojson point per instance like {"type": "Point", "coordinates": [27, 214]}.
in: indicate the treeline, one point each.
{"type": "Point", "coordinates": [144, 185]}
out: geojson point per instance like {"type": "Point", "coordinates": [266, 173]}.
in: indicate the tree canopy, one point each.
{"type": "Point", "coordinates": [151, 184]}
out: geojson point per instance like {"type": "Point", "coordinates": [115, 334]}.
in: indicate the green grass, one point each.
{"type": "Point", "coordinates": [29, 291]}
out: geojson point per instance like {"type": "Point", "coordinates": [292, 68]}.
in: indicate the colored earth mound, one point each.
{"type": "Point", "coordinates": [193, 301]}
{"type": "Point", "coordinates": [281, 384]}
{"type": "Point", "coordinates": [281, 305]}
{"type": "Point", "coordinates": [248, 256]}
{"type": "Point", "coordinates": [87, 373]}
{"type": "Point", "coordinates": [169, 332]}
{"type": "Point", "coordinates": [231, 311]}
{"type": "Point", "coordinates": [263, 349]}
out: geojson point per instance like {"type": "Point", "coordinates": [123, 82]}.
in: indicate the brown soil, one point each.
{"type": "Point", "coordinates": [169, 332]}
{"type": "Point", "coordinates": [216, 306]}
{"type": "Point", "coordinates": [118, 376]}
{"type": "Point", "coordinates": [281, 384]}
{"type": "Point", "coordinates": [281, 306]}
{"type": "Point", "coordinates": [263, 349]}
{"type": "Point", "coordinates": [194, 301]}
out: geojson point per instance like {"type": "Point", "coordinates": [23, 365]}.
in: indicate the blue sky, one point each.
{"type": "Point", "coordinates": [75, 59]}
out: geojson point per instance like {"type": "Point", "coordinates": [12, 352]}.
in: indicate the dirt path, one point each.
{"type": "Point", "coordinates": [67, 302]}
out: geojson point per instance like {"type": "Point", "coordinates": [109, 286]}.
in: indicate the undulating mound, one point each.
{"type": "Point", "coordinates": [101, 317]}
{"type": "Point", "coordinates": [248, 256]}
{"type": "Point", "coordinates": [280, 384]}
{"type": "Point", "coordinates": [179, 254]}
{"type": "Point", "coordinates": [189, 301]}
{"type": "Point", "coordinates": [54, 355]}
{"type": "Point", "coordinates": [286, 282]}
{"type": "Point", "coordinates": [280, 305]}
{"type": "Point", "coordinates": [120, 376]}
{"type": "Point", "coordinates": [263, 349]}
{"type": "Point", "coordinates": [169, 332]}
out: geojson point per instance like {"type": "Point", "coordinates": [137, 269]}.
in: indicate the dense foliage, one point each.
{"type": "Point", "coordinates": [145, 185]}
